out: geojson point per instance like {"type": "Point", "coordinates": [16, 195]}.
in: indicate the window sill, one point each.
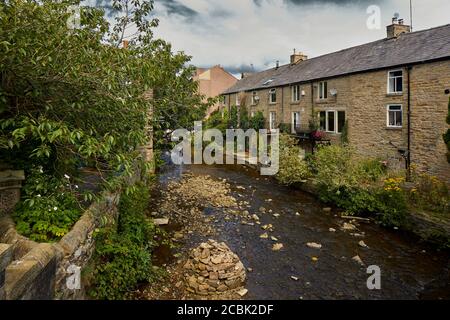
{"type": "Point", "coordinates": [323, 101]}
{"type": "Point", "coordinates": [273, 103]}
{"type": "Point", "coordinates": [394, 94]}
{"type": "Point", "coordinates": [295, 102]}
{"type": "Point", "coordinates": [394, 128]}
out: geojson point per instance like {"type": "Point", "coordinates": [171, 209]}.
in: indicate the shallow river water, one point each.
{"type": "Point", "coordinates": [409, 269]}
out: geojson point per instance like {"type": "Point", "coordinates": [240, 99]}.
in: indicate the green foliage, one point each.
{"type": "Point", "coordinates": [123, 255]}
{"type": "Point", "coordinates": [284, 128]}
{"type": "Point", "coordinates": [72, 97]}
{"type": "Point", "coordinates": [217, 120]}
{"type": "Point", "coordinates": [233, 117]}
{"type": "Point", "coordinates": [244, 120]}
{"type": "Point", "coordinates": [430, 194]}
{"type": "Point", "coordinates": [344, 134]}
{"type": "Point", "coordinates": [293, 168]}
{"type": "Point", "coordinates": [355, 185]}
{"type": "Point", "coordinates": [258, 122]}
{"type": "Point", "coordinates": [48, 209]}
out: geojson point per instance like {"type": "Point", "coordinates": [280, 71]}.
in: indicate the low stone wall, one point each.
{"type": "Point", "coordinates": [33, 271]}
{"type": "Point", "coordinates": [77, 247]}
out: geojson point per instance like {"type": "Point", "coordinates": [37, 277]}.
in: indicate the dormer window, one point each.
{"type": "Point", "coordinates": [273, 96]}
{"type": "Point", "coordinates": [395, 82]}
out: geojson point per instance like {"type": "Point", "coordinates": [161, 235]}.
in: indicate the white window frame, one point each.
{"type": "Point", "coordinates": [272, 93]}
{"type": "Point", "coordinates": [322, 92]}
{"type": "Point", "coordinates": [254, 95]}
{"type": "Point", "coordinates": [395, 83]}
{"type": "Point", "coordinates": [238, 101]}
{"type": "Point", "coordinates": [387, 115]}
{"type": "Point", "coordinates": [293, 120]}
{"type": "Point", "coordinates": [295, 93]}
{"type": "Point", "coordinates": [272, 120]}
{"type": "Point", "coordinates": [336, 120]}
{"type": "Point", "coordinates": [252, 114]}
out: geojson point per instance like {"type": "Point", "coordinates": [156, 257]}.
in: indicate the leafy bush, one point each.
{"type": "Point", "coordinates": [257, 122]}
{"type": "Point", "coordinates": [293, 167]}
{"type": "Point", "coordinates": [48, 209]}
{"type": "Point", "coordinates": [123, 255]}
{"type": "Point", "coordinates": [430, 193]}
{"type": "Point", "coordinates": [354, 184]}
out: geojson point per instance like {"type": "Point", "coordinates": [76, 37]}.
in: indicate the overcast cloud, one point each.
{"type": "Point", "coordinates": [239, 33]}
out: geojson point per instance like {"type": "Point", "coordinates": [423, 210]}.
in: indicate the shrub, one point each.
{"type": "Point", "coordinates": [257, 122]}
{"type": "Point", "coordinates": [48, 208]}
{"type": "Point", "coordinates": [354, 184]}
{"type": "Point", "coordinates": [430, 193]}
{"type": "Point", "coordinates": [123, 256]}
{"type": "Point", "coordinates": [293, 167]}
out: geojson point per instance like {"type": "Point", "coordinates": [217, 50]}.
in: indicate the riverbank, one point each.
{"type": "Point", "coordinates": [323, 256]}
{"type": "Point", "coordinates": [428, 226]}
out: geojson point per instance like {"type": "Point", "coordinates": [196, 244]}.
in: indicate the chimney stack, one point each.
{"type": "Point", "coordinates": [397, 28]}
{"type": "Point", "coordinates": [298, 57]}
{"type": "Point", "coordinates": [278, 64]}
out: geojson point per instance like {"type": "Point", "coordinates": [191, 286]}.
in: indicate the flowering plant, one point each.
{"type": "Point", "coordinates": [318, 135]}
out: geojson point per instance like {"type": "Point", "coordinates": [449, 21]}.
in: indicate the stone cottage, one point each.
{"type": "Point", "coordinates": [392, 93]}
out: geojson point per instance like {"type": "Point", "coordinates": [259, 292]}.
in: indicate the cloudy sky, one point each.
{"type": "Point", "coordinates": [239, 33]}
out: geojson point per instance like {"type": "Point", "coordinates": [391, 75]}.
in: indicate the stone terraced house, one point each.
{"type": "Point", "coordinates": [392, 93]}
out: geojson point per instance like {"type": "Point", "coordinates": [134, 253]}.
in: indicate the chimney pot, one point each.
{"type": "Point", "coordinates": [397, 28]}
{"type": "Point", "coordinates": [298, 57]}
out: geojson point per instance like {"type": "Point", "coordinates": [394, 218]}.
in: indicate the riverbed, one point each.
{"type": "Point", "coordinates": [409, 268]}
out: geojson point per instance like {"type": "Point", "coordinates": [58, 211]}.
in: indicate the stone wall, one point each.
{"type": "Point", "coordinates": [33, 271]}
{"type": "Point", "coordinates": [10, 184]}
{"type": "Point", "coordinates": [364, 98]}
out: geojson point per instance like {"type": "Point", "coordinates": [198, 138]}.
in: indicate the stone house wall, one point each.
{"type": "Point", "coordinates": [364, 97]}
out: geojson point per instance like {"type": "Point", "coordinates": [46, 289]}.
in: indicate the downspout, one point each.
{"type": "Point", "coordinates": [408, 160]}
{"type": "Point", "coordinates": [282, 105]}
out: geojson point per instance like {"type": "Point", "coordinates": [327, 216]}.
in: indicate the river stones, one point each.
{"type": "Point", "coordinates": [213, 269]}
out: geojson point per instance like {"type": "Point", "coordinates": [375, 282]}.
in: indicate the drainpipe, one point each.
{"type": "Point", "coordinates": [408, 160]}
{"type": "Point", "coordinates": [282, 105]}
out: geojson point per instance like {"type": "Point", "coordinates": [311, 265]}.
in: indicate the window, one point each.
{"type": "Point", "coordinates": [255, 98]}
{"type": "Point", "coordinates": [295, 121]}
{"type": "Point", "coordinates": [395, 81]}
{"type": "Point", "coordinates": [273, 96]}
{"type": "Point", "coordinates": [295, 93]}
{"type": "Point", "coordinates": [394, 116]}
{"type": "Point", "coordinates": [332, 121]}
{"type": "Point", "coordinates": [340, 121]}
{"type": "Point", "coordinates": [223, 99]}
{"type": "Point", "coordinates": [323, 90]}
{"type": "Point", "coordinates": [252, 114]}
{"type": "Point", "coordinates": [322, 120]}
{"type": "Point", "coordinates": [273, 120]}
{"type": "Point", "coordinates": [238, 100]}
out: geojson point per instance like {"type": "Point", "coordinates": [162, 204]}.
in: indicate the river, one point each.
{"type": "Point", "coordinates": [409, 268]}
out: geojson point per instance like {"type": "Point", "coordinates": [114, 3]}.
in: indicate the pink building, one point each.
{"type": "Point", "coordinates": [213, 82]}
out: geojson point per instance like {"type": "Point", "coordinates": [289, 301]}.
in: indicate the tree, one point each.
{"type": "Point", "coordinates": [72, 97]}
{"type": "Point", "coordinates": [257, 122]}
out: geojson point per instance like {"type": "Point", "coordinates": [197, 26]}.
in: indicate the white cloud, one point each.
{"type": "Point", "coordinates": [237, 33]}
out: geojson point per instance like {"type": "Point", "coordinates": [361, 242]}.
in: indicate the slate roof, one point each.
{"type": "Point", "coordinates": [410, 48]}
